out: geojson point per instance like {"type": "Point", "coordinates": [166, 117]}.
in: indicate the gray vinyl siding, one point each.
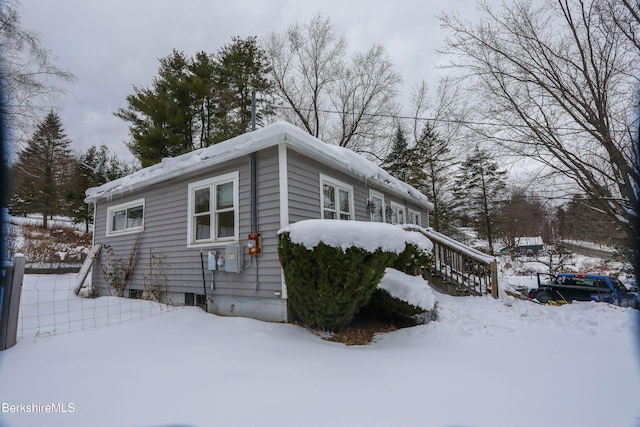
{"type": "Point", "coordinates": [165, 233]}
{"type": "Point", "coordinates": [304, 190]}
{"type": "Point", "coordinates": [256, 291]}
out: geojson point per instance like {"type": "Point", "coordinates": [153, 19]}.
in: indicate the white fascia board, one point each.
{"type": "Point", "coordinates": [193, 161]}
{"type": "Point", "coordinates": [283, 183]}
{"type": "Point", "coordinates": [333, 156]}
{"type": "Point", "coordinates": [380, 177]}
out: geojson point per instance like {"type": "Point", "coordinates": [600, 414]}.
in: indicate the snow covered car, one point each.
{"type": "Point", "coordinates": [583, 287]}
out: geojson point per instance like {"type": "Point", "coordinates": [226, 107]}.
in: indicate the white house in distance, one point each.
{"type": "Point", "coordinates": [212, 216]}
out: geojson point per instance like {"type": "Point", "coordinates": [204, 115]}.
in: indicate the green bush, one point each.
{"type": "Point", "coordinates": [411, 260]}
{"type": "Point", "coordinates": [327, 286]}
{"type": "Point", "coordinates": [385, 307]}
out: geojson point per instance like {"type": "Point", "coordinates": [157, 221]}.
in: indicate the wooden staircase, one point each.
{"type": "Point", "coordinates": [457, 269]}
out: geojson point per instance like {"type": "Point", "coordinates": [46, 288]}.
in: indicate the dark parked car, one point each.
{"type": "Point", "coordinates": [584, 287]}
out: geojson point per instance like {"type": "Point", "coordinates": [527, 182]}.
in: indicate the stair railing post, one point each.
{"type": "Point", "coordinates": [494, 279]}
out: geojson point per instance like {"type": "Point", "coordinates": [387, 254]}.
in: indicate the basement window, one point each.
{"type": "Point", "coordinates": [191, 299]}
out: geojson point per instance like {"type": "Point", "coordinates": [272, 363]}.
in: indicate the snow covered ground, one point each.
{"type": "Point", "coordinates": [485, 362]}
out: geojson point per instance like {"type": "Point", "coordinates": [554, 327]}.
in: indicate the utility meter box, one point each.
{"type": "Point", "coordinates": [233, 258]}
{"type": "Point", "coordinates": [212, 259]}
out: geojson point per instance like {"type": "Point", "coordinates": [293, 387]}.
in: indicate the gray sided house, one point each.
{"type": "Point", "coordinates": [526, 246]}
{"type": "Point", "coordinates": [529, 245]}
{"type": "Point", "coordinates": [194, 218]}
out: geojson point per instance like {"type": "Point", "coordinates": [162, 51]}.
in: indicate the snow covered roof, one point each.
{"type": "Point", "coordinates": [269, 136]}
{"type": "Point", "coordinates": [529, 241]}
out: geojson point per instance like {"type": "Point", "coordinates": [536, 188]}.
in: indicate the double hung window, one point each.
{"type": "Point", "coordinates": [398, 213]}
{"type": "Point", "coordinates": [336, 199]}
{"type": "Point", "coordinates": [377, 208]}
{"type": "Point", "coordinates": [213, 210]}
{"type": "Point", "coordinates": [415, 218]}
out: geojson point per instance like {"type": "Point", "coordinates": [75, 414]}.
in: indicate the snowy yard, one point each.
{"type": "Point", "coordinates": [485, 362]}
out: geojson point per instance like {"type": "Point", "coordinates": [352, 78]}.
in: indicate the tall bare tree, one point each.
{"type": "Point", "coordinates": [556, 85]}
{"type": "Point", "coordinates": [26, 70]}
{"type": "Point", "coordinates": [626, 15]}
{"type": "Point", "coordinates": [523, 214]}
{"type": "Point", "coordinates": [348, 100]}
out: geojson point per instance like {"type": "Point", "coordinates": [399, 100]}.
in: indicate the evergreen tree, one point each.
{"type": "Point", "coordinates": [398, 161]}
{"type": "Point", "coordinates": [161, 117]}
{"type": "Point", "coordinates": [92, 168]}
{"type": "Point", "coordinates": [203, 68]}
{"type": "Point", "coordinates": [479, 188]}
{"type": "Point", "coordinates": [430, 162]}
{"type": "Point", "coordinates": [242, 68]}
{"type": "Point", "coordinates": [44, 170]}
{"type": "Point", "coordinates": [195, 102]}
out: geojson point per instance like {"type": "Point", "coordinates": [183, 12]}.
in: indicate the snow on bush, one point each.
{"type": "Point", "coordinates": [345, 234]}
{"type": "Point", "coordinates": [410, 289]}
{"type": "Point", "coordinates": [332, 268]}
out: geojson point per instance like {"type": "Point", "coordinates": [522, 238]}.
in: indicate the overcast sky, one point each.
{"type": "Point", "coordinates": [111, 45]}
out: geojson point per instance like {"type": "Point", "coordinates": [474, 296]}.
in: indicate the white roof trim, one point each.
{"type": "Point", "coordinates": [269, 136]}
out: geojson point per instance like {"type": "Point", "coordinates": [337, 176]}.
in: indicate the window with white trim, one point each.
{"type": "Point", "coordinates": [125, 218]}
{"type": "Point", "coordinates": [213, 210]}
{"type": "Point", "coordinates": [398, 212]}
{"type": "Point", "coordinates": [377, 201]}
{"type": "Point", "coordinates": [336, 199]}
{"type": "Point", "coordinates": [415, 217]}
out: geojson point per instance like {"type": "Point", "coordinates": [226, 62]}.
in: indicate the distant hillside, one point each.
{"type": "Point", "coordinates": [62, 247]}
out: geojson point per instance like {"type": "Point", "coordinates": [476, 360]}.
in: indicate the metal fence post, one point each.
{"type": "Point", "coordinates": [11, 290]}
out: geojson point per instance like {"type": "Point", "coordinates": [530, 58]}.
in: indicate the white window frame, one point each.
{"type": "Point", "coordinates": [396, 208]}
{"type": "Point", "coordinates": [324, 179]}
{"type": "Point", "coordinates": [414, 214]}
{"type": "Point", "coordinates": [112, 210]}
{"type": "Point", "coordinates": [383, 206]}
{"type": "Point", "coordinates": [211, 184]}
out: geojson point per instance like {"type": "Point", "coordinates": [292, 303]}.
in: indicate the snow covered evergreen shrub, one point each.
{"type": "Point", "coordinates": [326, 286]}
{"type": "Point", "coordinates": [412, 260]}
{"type": "Point", "coordinates": [383, 306]}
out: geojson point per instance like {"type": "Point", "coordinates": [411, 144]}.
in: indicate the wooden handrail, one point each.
{"type": "Point", "coordinates": [458, 269]}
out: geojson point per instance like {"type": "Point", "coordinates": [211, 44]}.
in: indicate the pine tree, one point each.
{"type": "Point", "coordinates": [203, 69]}
{"type": "Point", "coordinates": [429, 172]}
{"type": "Point", "coordinates": [44, 171]}
{"type": "Point", "coordinates": [161, 117]}
{"type": "Point", "coordinates": [397, 162]}
{"type": "Point", "coordinates": [242, 68]}
{"type": "Point", "coordinates": [198, 101]}
{"type": "Point", "coordinates": [479, 188]}
{"type": "Point", "coordinates": [92, 168]}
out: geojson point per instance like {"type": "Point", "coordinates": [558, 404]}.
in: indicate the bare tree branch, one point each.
{"type": "Point", "coordinates": [557, 80]}
{"type": "Point", "coordinates": [26, 70]}
{"type": "Point", "coordinates": [314, 77]}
